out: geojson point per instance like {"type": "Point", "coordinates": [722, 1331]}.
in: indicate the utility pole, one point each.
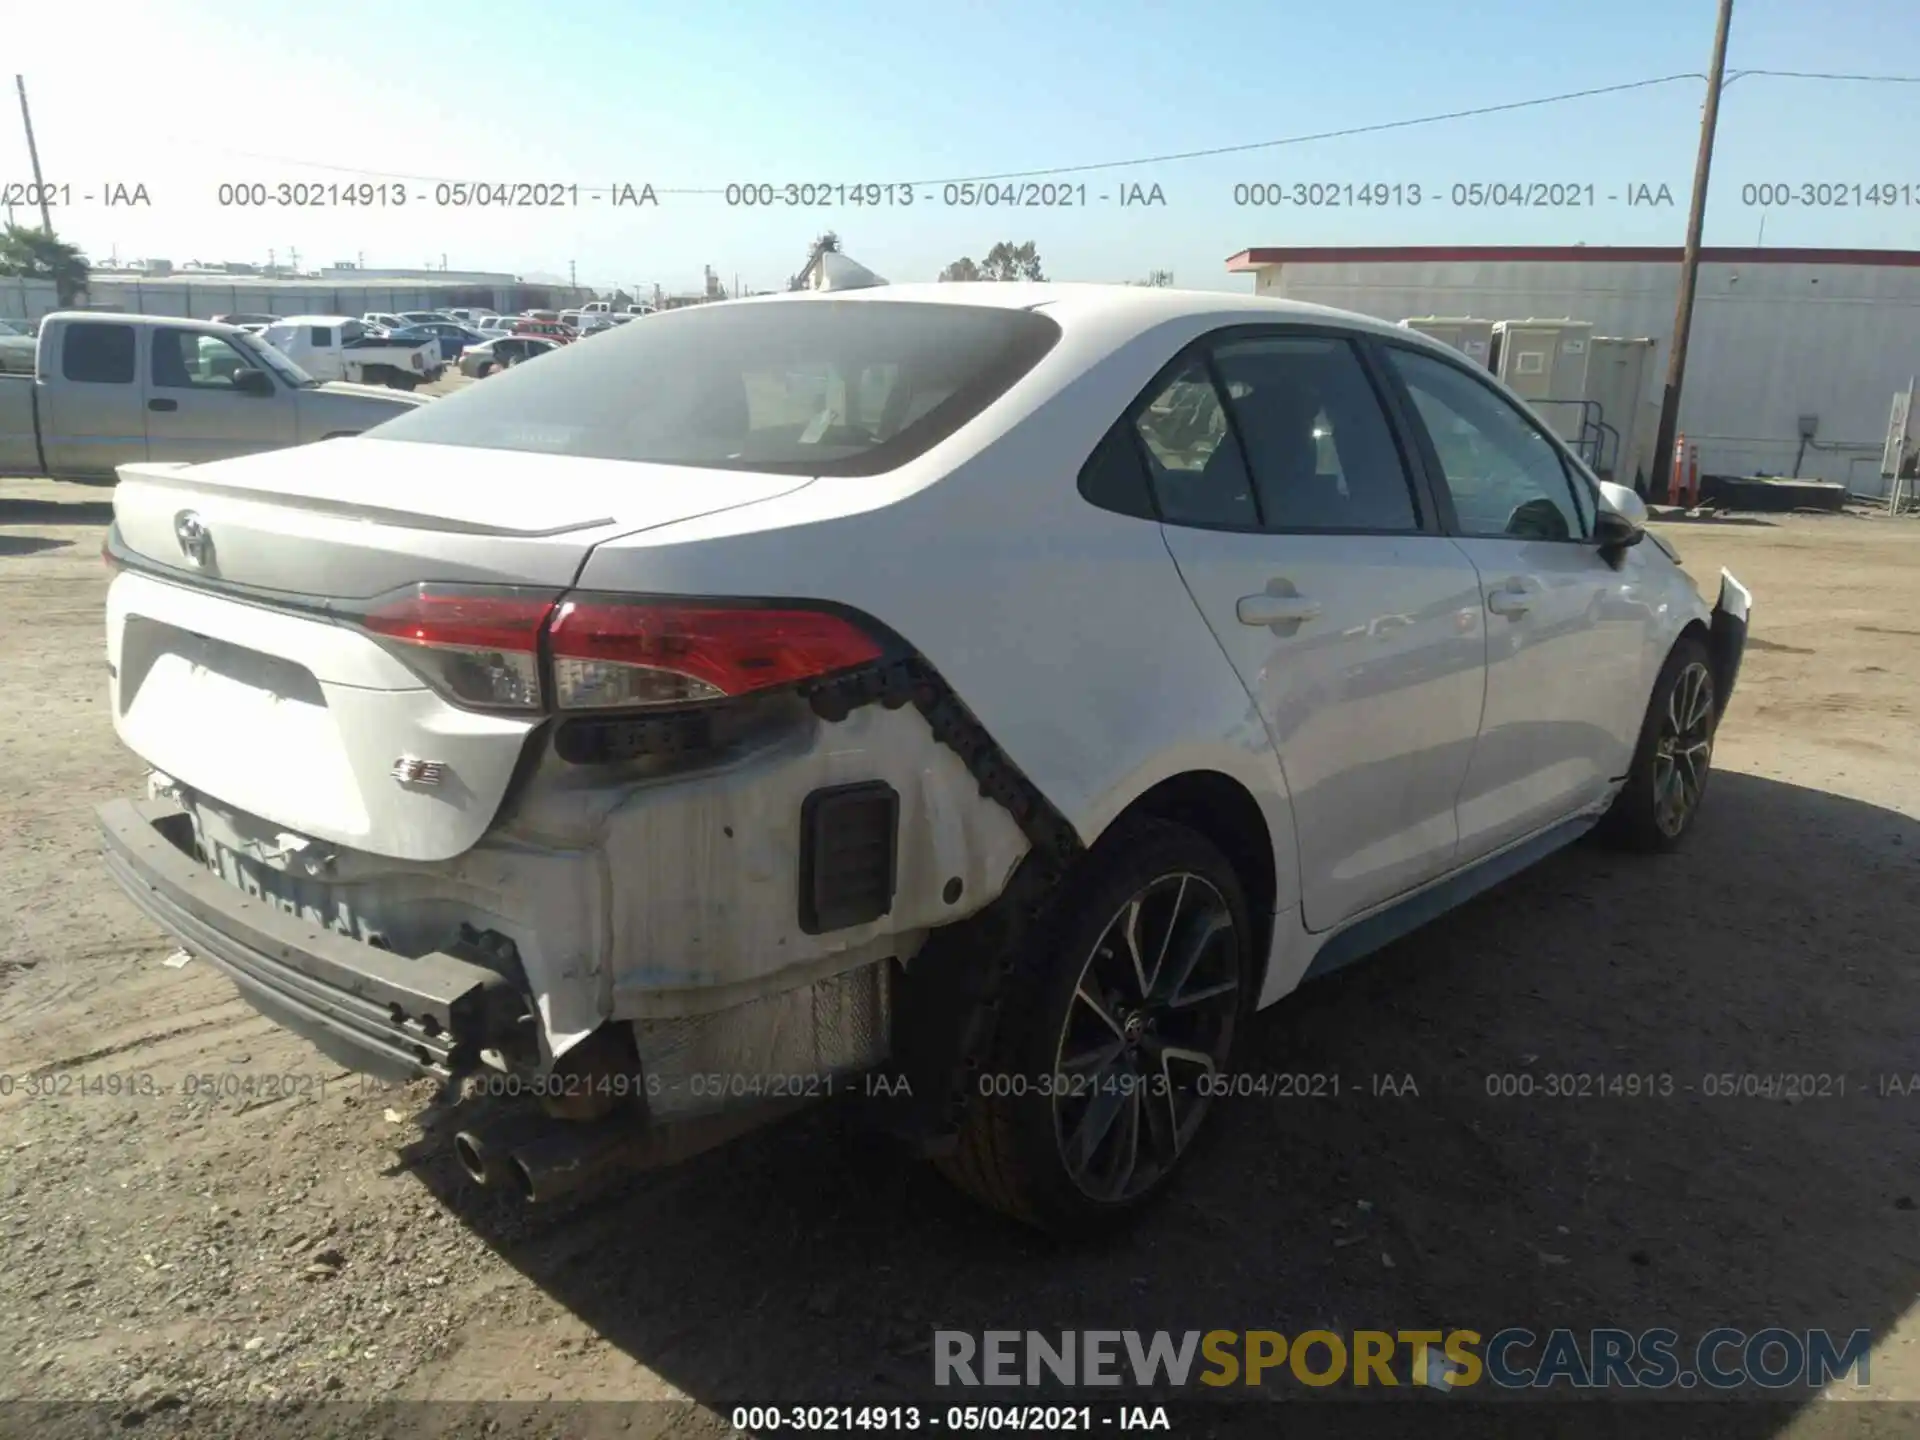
{"type": "Point", "coordinates": [1690, 258]}
{"type": "Point", "coordinates": [33, 154]}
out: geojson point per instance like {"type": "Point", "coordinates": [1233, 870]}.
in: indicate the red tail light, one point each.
{"type": "Point", "coordinates": [617, 655]}
{"type": "Point", "coordinates": [481, 647]}
{"type": "Point", "coordinates": [476, 647]}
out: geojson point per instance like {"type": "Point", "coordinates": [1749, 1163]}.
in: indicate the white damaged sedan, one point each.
{"type": "Point", "coordinates": [984, 697]}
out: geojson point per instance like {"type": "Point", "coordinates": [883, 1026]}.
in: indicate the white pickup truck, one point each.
{"type": "Point", "coordinates": [338, 347]}
{"type": "Point", "coordinates": [107, 390]}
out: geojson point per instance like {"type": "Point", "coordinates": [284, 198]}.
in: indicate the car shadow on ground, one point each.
{"type": "Point", "coordinates": [17, 510]}
{"type": "Point", "coordinates": [1445, 1186]}
{"type": "Point", "coordinates": [29, 544]}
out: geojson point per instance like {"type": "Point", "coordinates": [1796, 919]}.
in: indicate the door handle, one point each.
{"type": "Point", "coordinates": [163, 404]}
{"type": "Point", "coordinates": [1276, 609]}
{"type": "Point", "coordinates": [1512, 599]}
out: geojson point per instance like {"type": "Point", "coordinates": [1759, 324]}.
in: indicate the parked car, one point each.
{"type": "Point", "coordinates": [17, 348]}
{"type": "Point", "coordinates": [502, 353]}
{"type": "Point", "coordinates": [888, 684]}
{"type": "Point", "coordinates": [107, 390]}
{"type": "Point", "coordinates": [549, 315]}
{"type": "Point", "coordinates": [421, 317]}
{"type": "Point", "coordinates": [551, 329]}
{"type": "Point", "coordinates": [338, 347]}
{"type": "Point", "coordinates": [383, 320]}
{"type": "Point", "coordinates": [448, 338]}
{"type": "Point", "coordinates": [495, 324]}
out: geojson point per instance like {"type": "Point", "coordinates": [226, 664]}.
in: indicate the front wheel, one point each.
{"type": "Point", "coordinates": [1115, 1036]}
{"type": "Point", "coordinates": [1668, 778]}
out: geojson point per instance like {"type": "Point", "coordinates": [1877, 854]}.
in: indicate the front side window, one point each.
{"type": "Point", "coordinates": [97, 354]}
{"type": "Point", "coordinates": [194, 360]}
{"type": "Point", "coordinates": [803, 387]}
{"type": "Point", "coordinates": [1317, 440]}
{"type": "Point", "coordinates": [1506, 479]}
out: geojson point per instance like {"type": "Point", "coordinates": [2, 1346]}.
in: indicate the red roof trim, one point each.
{"type": "Point", "coordinates": [1264, 255]}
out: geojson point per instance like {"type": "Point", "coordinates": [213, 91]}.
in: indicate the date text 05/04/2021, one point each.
{"type": "Point", "coordinates": [1339, 194]}
{"type": "Point", "coordinates": [961, 1419]}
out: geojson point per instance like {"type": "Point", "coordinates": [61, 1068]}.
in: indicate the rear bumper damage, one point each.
{"type": "Point", "coordinates": [372, 1010]}
{"type": "Point", "coordinates": [710, 942]}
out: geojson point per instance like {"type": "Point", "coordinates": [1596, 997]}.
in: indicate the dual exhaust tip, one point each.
{"type": "Point", "coordinates": [541, 1159]}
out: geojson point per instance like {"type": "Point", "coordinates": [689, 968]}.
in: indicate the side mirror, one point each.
{"type": "Point", "coordinates": [249, 381]}
{"type": "Point", "coordinates": [1622, 518]}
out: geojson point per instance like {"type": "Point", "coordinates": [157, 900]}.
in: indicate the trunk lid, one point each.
{"type": "Point", "coordinates": [292, 715]}
{"type": "Point", "coordinates": [357, 517]}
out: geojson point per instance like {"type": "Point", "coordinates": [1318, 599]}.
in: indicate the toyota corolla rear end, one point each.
{"type": "Point", "coordinates": [655, 857]}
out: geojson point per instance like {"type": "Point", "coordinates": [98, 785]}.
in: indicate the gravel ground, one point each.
{"type": "Point", "coordinates": [167, 1252]}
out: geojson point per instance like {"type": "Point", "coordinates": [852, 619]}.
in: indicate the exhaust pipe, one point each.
{"type": "Point", "coordinates": [485, 1151]}
{"type": "Point", "coordinates": [571, 1157]}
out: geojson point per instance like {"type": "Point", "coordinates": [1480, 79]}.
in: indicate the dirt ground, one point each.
{"type": "Point", "coordinates": [171, 1253]}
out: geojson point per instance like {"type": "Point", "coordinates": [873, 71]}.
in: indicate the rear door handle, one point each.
{"type": "Point", "coordinates": [1512, 599]}
{"type": "Point", "coordinates": [1276, 609]}
{"type": "Point", "coordinates": [163, 404]}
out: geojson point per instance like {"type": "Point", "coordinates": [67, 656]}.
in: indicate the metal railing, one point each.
{"type": "Point", "coordinates": [1596, 442]}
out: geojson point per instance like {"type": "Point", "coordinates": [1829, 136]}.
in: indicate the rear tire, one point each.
{"type": "Point", "coordinates": [1654, 811]}
{"type": "Point", "coordinates": [1102, 1071]}
{"type": "Point", "coordinates": [400, 380]}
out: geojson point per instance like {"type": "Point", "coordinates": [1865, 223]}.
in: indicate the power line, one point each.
{"type": "Point", "coordinates": [1323, 134]}
{"type": "Point", "coordinates": [1170, 158]}
{"type": "Point", "coordinates": [1828, 75]}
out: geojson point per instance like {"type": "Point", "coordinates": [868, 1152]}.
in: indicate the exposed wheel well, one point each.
{"type": "Point", "coordinates": [1222, 809]}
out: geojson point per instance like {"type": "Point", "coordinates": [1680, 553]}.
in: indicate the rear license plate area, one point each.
{"type": "Point", "coordinates": [313, 901]}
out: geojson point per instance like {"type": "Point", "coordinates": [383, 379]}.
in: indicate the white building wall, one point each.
{"type": "Point", "coordinates": [1771, 342]}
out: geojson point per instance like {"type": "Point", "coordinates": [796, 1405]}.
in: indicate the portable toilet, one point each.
{"type": "Point", "coordinates": [1620, 377]}
{"type": "Point", "coordinates": [1545, 364]}
{"type": "Point", "coordinates": [1472, 338]}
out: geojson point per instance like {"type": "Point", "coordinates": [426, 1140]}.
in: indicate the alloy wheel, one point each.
{"type": "Point", "coordinates": [1684, 748]}
{"type": "Point", "coordinates": [1148, 1028]}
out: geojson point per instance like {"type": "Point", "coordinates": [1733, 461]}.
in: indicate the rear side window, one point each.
{"type": "Point", "coordinates": [803, 387]}
{"type": "Point", "coordinates": [96, 354]}
{"type": "Point", "coordinates": [1193, 456]}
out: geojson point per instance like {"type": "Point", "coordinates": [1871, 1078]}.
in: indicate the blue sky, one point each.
{"type": "Point", "coordinates": [182, 95]}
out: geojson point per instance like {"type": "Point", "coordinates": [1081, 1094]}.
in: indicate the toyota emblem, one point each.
{"type": "Point", "coordinates": [196, 541]}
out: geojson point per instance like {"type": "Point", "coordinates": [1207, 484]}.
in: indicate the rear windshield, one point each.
{"type": "Point", "coordinates": [805, 387]}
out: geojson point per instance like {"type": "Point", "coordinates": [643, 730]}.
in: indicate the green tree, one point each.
{"type": "Point", "coordinates": [40, 255]}
{"type": "Point", "coordinates": [1005, 261]}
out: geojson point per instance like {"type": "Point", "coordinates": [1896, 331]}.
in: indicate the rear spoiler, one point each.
{"type": "Point", "coordinates": [151, 469]}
